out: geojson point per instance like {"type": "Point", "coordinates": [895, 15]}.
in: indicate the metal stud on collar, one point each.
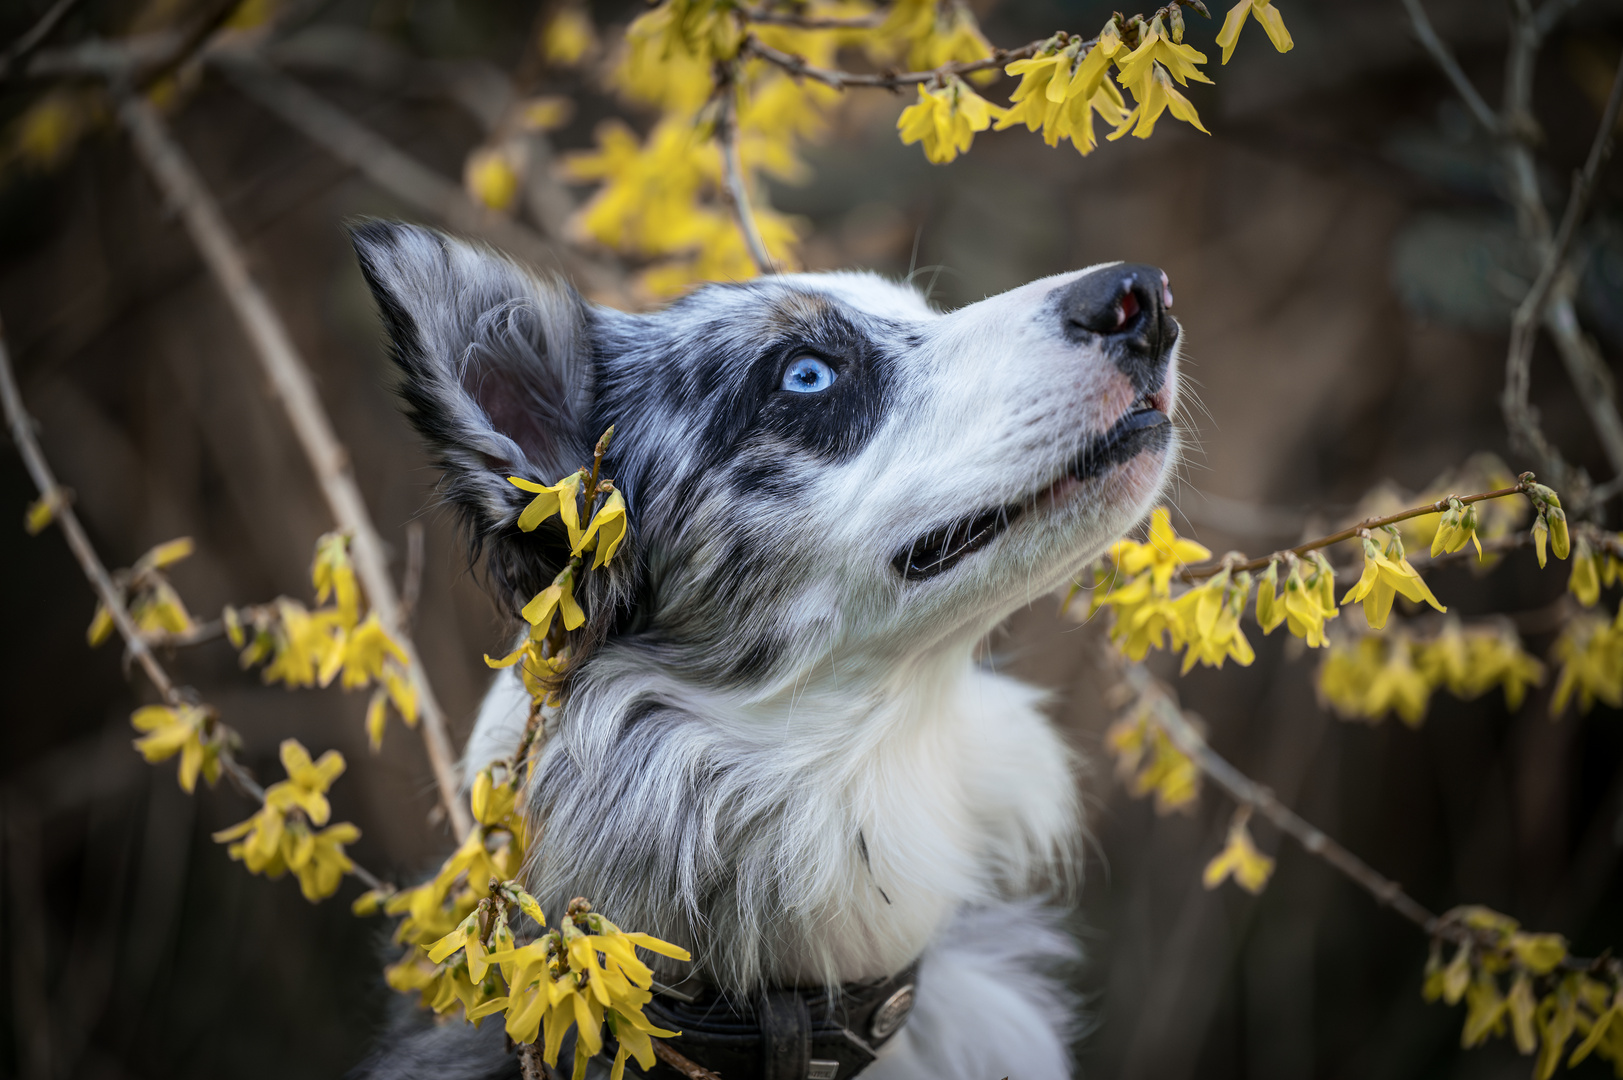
{"type": "Point", "coordinates": [889, 1016]}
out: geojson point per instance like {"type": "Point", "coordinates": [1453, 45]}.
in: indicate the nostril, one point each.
{"type": "Point", "coordinates": [1126, 308]}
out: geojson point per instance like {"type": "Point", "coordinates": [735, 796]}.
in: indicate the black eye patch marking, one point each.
{"type": "Point", "coordinates": [758, 416]}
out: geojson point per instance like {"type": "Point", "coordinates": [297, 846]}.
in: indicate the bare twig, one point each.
{"type": "Point", "coordinates": [1170, 718]}
{"type": "Point", "coordinates": [733, 174]}
{"type": "Point", "coordinates": [401, 175]}
{"type": "Point", "coordinates": [1248, 792]}
{"type": "Point", "coordinates": [411, 582]}
{"type": "Point", "coordinates": [841, 80]}
{"type": "Point", "coordinates": [1592, 380]}
{"type": "Point", "coordinates": [295, 388]}
{"type": "Point", "coordinates": [18, 50]}
{"type": "Point", "coordinates": [109, 594]}
{"type": "Point", "coordinates": [532, 1066]}
{"type": "Point", "coordinates": [1444, 57]}
{"type": "Point", "coordinates": [681, 1063]}
{"type": "Point", "coordinates": [111, 597]}
{"type": "Point", "coordinates": [1210, 569]}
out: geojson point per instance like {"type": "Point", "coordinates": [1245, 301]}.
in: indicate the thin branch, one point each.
{"type": "Point", "coordinates": [398, 173]}
{"type": "Point", "coordinates": [1586, 369]}
{"type": "Point", "coordinates": [733, 176]}
{"type": "Point", "coordinates": [1444, 58]}
{"type": "Point", "coordinates": [680, 1062]}
{"type": "Point", "coordinates": [19, 49]}
{"type": "Point", "coordinates": [110, 595]}
{"type": "Point", "coordinates": [1170, 718]}
{"type": "Point", "coordinates": [1248, 792]}
{"type": "Point", "coordinates": [1210, 569]}
{"type": "Point", "coordinates": [842, 80]}
{"type": "Point", "coordinates": [294, 386]}
{"type": "Point", "coordinates": [411, 582]}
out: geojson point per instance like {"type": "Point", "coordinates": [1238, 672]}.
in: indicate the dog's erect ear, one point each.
{"type": "Point", "coordinates": [495, 361]}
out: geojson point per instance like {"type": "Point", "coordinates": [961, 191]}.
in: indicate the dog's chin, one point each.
{"type": "Point", "coordinates": [1123, 465]}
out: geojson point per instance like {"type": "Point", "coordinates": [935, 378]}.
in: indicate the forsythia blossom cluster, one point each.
{"type": "Point", "coordinates": [153, 604]}
{"type": "Point", "coordinates": [1544, 1008]}
{"type": "Point", "coordinates": [284, 834]}
{"type": "Point", "coordinates": [1148, 761]}
{"type": "Point", "coordinates": [544, 655]}
{"type": "Point", "coordinates": [493, 849]}
{"type": "Point", "coordinates": [1590, 652]}
{"type": "Point", "coordinates": [1380, 673]}
{"type": "Point", "coordinates": [660, 196]}
{"type": "Point", "coordinates": [583, 974]}
{"type": "Point", "coordinates": [312, 648]}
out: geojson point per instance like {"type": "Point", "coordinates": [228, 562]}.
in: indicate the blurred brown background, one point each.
{"type": "Point", "coordinates": [1344, 267]}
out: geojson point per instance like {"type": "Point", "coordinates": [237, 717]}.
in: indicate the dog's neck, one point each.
{"type": "Point", "coordinates": [822, 834]}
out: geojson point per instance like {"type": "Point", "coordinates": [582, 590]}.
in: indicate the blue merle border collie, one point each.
{"type": "Point", "coordinates": [780, 751]}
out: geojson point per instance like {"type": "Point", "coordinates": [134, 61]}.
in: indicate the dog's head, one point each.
{"type": "Point", "coordinates": [820, 468]}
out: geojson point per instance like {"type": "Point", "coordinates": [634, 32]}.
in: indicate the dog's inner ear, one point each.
{"type": "Point", "coordinates": [494, 361]}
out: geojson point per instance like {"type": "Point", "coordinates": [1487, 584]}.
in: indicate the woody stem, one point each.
{"type": "Point", "coordinates": [1206, 570]}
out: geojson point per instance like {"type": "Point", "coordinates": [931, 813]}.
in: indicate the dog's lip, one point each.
{"type": "Point", "coordinates": [941, 549]}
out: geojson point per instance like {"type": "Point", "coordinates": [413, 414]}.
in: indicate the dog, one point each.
{"type": "Point", "coordinates": [781, 752]}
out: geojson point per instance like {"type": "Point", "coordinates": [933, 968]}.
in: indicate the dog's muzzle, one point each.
{"type": "Point", "coordinates": [788, 1033]}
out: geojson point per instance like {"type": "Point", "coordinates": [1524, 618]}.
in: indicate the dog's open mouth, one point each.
{"type": "Point", "coordinates": [1143, 427]}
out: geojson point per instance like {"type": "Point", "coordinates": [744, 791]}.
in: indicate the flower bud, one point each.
{"type": "Point", "coordinates": [1560, 542]}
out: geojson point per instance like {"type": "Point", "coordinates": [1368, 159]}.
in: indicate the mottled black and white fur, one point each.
{"type": "Point", "coordinates": [781, 752]}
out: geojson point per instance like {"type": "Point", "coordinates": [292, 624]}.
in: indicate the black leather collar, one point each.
{"type": "Point", "coordinates": [786, 1033]}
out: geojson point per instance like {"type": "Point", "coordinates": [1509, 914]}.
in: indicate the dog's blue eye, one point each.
{"type": "Point", "coordinates": [808, 375]}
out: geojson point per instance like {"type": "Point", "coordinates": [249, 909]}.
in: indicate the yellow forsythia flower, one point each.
{"type": "Point", "coordinates": [545, 113]}
{"type": "Point", "coordinates": [569, 35]}
{"type": "Point", "coordinates": [1148, 71]}
{"type": "Point", "coordinates": [1308, 603]}
{"type": "Point", "coordinates": [317, 859]}
{"type": "Point", "coordinates": [1387, 574]}
{"type": "Point", "coordinates": [491, 177]}
{"type": "Point", "coordinates": [1059, 93]}
{"type": "Point", "coordinates": [952, 36]}
{"type": "Point", "coordinates": [1163, 553]}
{"type": "Point", "coordinates": [1266, 14]}
{"type": "Point", "coordinates": [555, 598]}
{"type": "Point", "coordinates": [945, 120]}
{"type": "Point", "coordinates": [309, 645]}
{"type": "Point", "coordinates": [1590, 651]}
{"type": "Point", "coordinates": [365, 650]}
{"type": "Point", "coordinates": [1208, 618]}
{"type": "Point", "coordinates": [1456, 528]}
{"type": "Point", "coordinates": [41, 512]}
{"type": "Point", "coordinates": [1240, 860]}
{"type": "Point", "coordinates": [179, 730]}
{"type": "Point", "coordinates": [307, 782]}
{"type": "Point", "coordinates": [278, 838]}
{"type": "Point", "coordinates": [47, 131]}
{"type": "Point", "coordinates": [1152, 96]}
{"type": "Point", "coordinates": [492, 802]}
{"type": "Point", "coordinates": [562, 498]}
{"type": "Point", "coordinates": [1583, 581]}
{"type": "Point", "coordinates": [258, 842]}
{"type": "Point", "coordinates": [1147, 757]}
{"type": "Point", "coordinates": [607, 530]}
{"type": "Point", "coordinates": [398, 690]}
{"type": "Point", "coordinates": [333, 574]}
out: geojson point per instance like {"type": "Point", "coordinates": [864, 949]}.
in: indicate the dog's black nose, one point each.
{"type": "Point", "coordinates": [1127, 306]}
